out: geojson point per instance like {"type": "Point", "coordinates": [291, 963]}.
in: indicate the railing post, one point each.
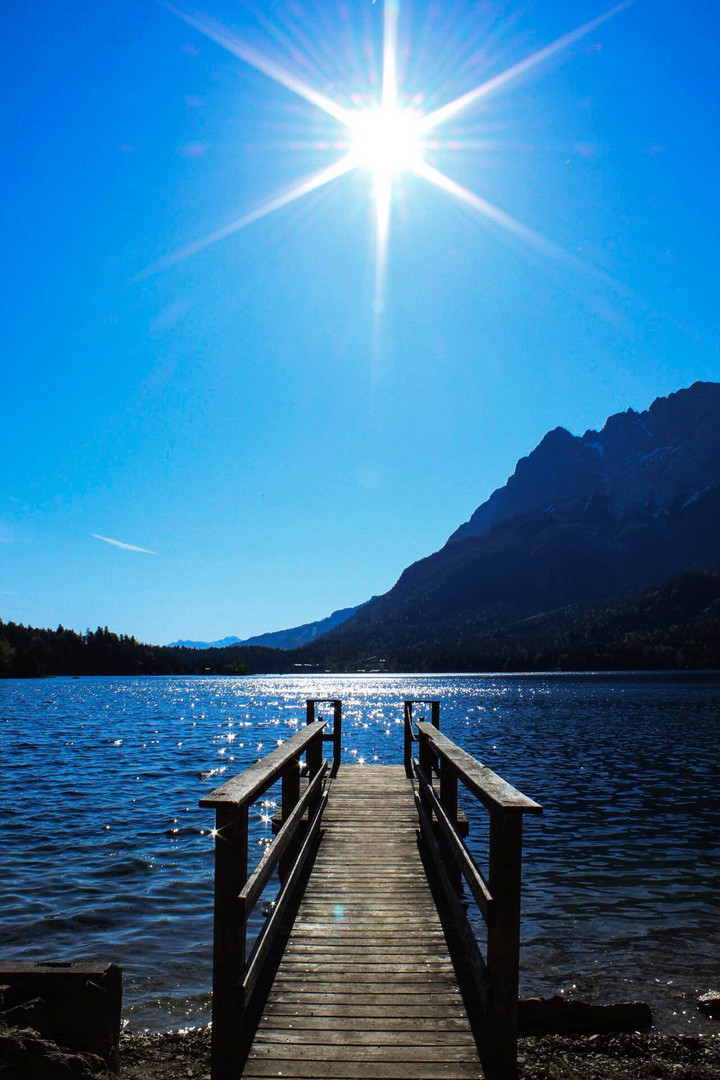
{"type": "Point", "coordinates": [337, 736]}
{"type": "Point", "coordinates": [449, 800]}
{"type": "Point", "coordinates": [408, 733]}
{"type": "Point", "coordinates": [290, 796]}
{"type": "Point", "coordinates": [503, 957]}
{"type": "Point", "coordinates": [314, 760]}
{"type": "Point", "coordinates": [229, 939]}
{"type": "Point", "coordinates": [407, 738]}
{"type": "Point", "coordinates": [426, 759]}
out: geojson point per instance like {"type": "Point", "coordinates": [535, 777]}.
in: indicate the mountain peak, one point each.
{"type": "Point", "coordinates": [636, 461]}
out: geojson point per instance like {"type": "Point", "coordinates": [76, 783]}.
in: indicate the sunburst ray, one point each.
{"type": "Point", "coordinates": [489, 210]}
{"type": "Point", "coordinates": [312, 183]}
{"type": "Point", "coordinates": [447, 112]}
{"type": "Point", "coordinates": [384, 181]}
{"type": "Point", "coordinates": [221, 36]}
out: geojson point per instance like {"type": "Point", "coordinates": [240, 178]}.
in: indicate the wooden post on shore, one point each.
{"type": "Point", "coordinates": [229, 940]}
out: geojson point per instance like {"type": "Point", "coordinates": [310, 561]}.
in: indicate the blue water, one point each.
{"type": "Point", "coordinates": [105, 854]}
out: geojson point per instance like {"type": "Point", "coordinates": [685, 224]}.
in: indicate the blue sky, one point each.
{"type": "Point", "coordinates": [245, 414]}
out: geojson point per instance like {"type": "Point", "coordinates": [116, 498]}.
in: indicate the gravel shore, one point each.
{"type": "Point", "coordinates": [179, 1055]}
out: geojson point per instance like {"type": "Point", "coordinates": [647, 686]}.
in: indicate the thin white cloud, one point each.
{"type": "Point", "coordinates": [125, 547]}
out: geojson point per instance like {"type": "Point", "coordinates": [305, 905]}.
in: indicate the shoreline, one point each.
{"type": "Point", "coordinates": [610, 1056]}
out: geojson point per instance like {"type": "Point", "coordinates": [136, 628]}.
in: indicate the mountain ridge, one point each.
{"type": "Point", "coordinates": [293, 638]}
{"type": "Point", "coordinates": [582, 519]}
{"type": "Point", "coordinates": [671, 447]}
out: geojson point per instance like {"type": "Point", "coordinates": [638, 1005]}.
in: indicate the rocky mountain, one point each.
{"type": "Point", "coordinates": [581, 520]}
{"type": "Point", "coordinates": [638, 462]}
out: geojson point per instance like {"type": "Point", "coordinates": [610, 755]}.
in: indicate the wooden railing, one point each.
{"type": "Point", "coordinates": [334, 736]}
{"type": "Point", "coordinates": [439, 767]}
{"type": "Point", "coordinates": [408, 733]}
{"type": "Point", "coordinates": [235, 976]}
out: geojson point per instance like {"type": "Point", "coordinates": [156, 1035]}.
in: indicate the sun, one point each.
{"type": "Point", "coordinates": [386, 140]}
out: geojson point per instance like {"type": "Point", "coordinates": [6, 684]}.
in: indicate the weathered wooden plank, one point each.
{"type": "Point", "coordinates": [319, 931]}
{"type": "Point", "coordinates": [369, 987]}
{"type": "Point", "coordinates": [303, 996]}
{"type": "Point", "coordinates": [303, 960]}
{"type": "Point", "coordinates": [366, 1012]}
{"type": "Point", "coordinates": [336, 1027]}
{"type": "Point", "coordinates": [408, 1039]}
{"type": "Point", "coordinates": [366, 1070]}
{"type": "Point", "coordinates": [368, 982]}
{"type": "Point", "coordinates": [283, 1050]}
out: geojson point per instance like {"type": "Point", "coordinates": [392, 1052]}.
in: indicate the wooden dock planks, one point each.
{"type": "Point", "coordinates": [365, 988]}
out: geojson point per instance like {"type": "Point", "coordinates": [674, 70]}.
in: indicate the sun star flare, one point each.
{"type": "Point", "coordinates": [383, 139]}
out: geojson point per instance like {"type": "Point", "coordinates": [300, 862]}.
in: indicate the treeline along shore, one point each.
{"type": "Point", "coordinates": [671, 626]}
{"type": "Point", "coordinates": [27, 652]}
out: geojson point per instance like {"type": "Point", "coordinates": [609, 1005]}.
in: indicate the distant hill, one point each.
{"type": "Point", "coordinates": [305, 634]}
{"type": "Point", "coordinates": [293, 638]}
{"type": "Point", "coordinates": [222, 643]}
{"type": "Point", "coordinates": [582, 519]}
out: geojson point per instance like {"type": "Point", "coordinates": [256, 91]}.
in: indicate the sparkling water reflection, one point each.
{"type": "Point", "coordinates": [106, 854]}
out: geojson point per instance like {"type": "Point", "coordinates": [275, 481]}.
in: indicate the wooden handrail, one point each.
{"type": "Point", "coordinates": [470, 949]}
{"type": "Point", "coordinates": [234, 976]}
{"type": "Point", "coordinates": [251, 783]}
{"type": "Point", "coordinates": [259, 954]}
{"type": "Point", "coordinates": [334, 736]}
{"type": "Point", "coordinates": [463, 859]}
{"type": "Point", "coordinates": [494, 792]}
{"type": "Point", "coordinates": [409, 736]}
{"type": "Point", "coordinates": [252, 890]}
{"type": "Point", "coordinates": [498, 899]}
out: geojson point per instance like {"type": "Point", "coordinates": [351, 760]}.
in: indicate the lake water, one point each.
{"type": "Point", "coordinates": [105, 854]}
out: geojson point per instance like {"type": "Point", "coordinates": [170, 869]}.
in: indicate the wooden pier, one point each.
{"type": "Point", "coordinates": [367, 966]}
